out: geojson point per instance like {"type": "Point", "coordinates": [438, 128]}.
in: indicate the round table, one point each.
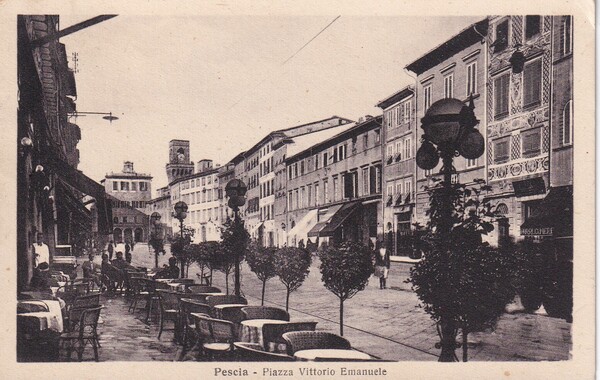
{"type": "Point", "coordinates": [51, 319]}
{"type": "Point", "coordinates": [328, 353]}
{"type": "Point", "coordinates": [251, 329]}
{"type": "Point", "coordinates": [220, 309]}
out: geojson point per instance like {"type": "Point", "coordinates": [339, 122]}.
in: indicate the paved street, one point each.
{"type": "Point", "coordinates": [390, 325]}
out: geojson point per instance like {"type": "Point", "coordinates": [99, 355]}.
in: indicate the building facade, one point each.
{"type": "Point", "coordinates": [333, 189]}
{"type": "Point", "coordinates": [180, 164]}
{"type": "Point", "coordinates": [53, 197]}
{"type": "Point", "coordinates": [399, 135]}
{"type": "Point", "coordinates": [130, 192]}
{"type": "Point", "coordinates": [454, 69]}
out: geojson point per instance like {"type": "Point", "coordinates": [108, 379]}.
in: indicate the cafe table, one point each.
{"type": "Point", "coordinates": [330, 354]}
{"type": "Point", "coordinates": [251, 329]}
{"type": "Point", "coordinates": [51, 319]}
{"type": "Point", "coordinates": [202, 296]}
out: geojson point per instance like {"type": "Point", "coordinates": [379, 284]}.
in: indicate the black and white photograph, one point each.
{"type": "Point", "coordinates": [335, 192]}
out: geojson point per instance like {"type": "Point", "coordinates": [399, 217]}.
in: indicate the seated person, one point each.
{"type": "Point", "coordinates": [90, 270]}
{"type": "Point", "coordinates": [122, 264]}
{"type": "Point", "coordinates": [171, 271]}
{"type": "Point", "coordinates": [113, 274]}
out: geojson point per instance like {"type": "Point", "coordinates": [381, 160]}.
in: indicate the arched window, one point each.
{"type": "Point", "coordinates": [502, 209]}
{"type": "Point", "coordinates": [567, 123]}
{"type": "Point", "coordinates": [566, 35]}
{"type": "Point", "coordinates": [503, 224]}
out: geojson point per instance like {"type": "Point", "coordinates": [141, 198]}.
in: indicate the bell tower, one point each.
{"type": "Point", "coordinates": [179, 164]}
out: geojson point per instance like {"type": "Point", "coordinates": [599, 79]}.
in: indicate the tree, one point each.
{"type": "Point", "coordinates": [261, 262]}
{"type": "Point", "coordinates": [204, 257]}
{"type": "Point", "coordinates": [158, 247]}
{"type": "Point", "coordinates": [345, 271]}
{"type": "Point", "coordinates": [234, 240]}
{"type": "Point", "coordinates": [179, 244]}
{"type": "Point", "coordinates": [292, 266]}
{"type": "Point", "coordinates": [461, 278]}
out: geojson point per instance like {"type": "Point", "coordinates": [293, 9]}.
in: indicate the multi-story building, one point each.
{"type": "Point", "coordinates": [259, 176]}
{"type": "Point", "coordinates": [518, 118]}
{"type": "Point", "coordinates": [200, 191]}
{"type": "Point", "coordinates": [399, 135]}
{"type": "Point", "coordinates": [333, 190]}
{"type": "Point", "coordinates": [454, 69]}
{"type": "Point", "coordinates": [130, 192]}
{"type": "Point", "coordinates": [162, 205]}
{"type": "Point", "coordinates": [50, 189]}
{"type": "Point", "coordinates": [179, 164]}
{"type": "Point", "coordinates": [226, 173]}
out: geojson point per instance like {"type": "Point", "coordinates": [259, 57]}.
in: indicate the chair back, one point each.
{"type": "Point", "coordinates": [254, 352]}
{"type": "Point", "coordinates": [33, 306]}
{"type": "Point", "coordinates": [203, 327]}
{"type": "Point", "coordinates": [225, 299]}
{"type": "Point", "coordinates": [233, 314]}
{"type": "Point", "coordinates": [77, 287]}
{"type": "Point", "coordinates": [168, 299]}
{"type": "Point", "coordinates": [147, 284]}
{"type": "Point", "coordinates": [203, 289]}
{"type": "Point", "coordinates": [222, 331]}
{"type": "Point", "coordinates": [89, 320]}
{"type": "Point", "coordinates": [265, 312]}
{"type": "Point", "coordinates": [308, 340]}
{"type": "Point", "coordinates": [86, 301]}
{"type": "Point", "coordinates": [201, 298]}
{"type": "Point", "coordinates": [189, 305]}
{"type": "Point", "coordinates": [272, 332]}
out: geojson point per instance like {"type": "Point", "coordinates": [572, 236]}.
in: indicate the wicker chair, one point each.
{"type": "Point", "coordinates": [32, 306]}
{"type": "Point", "coordinates": [139, 291]}
{"type": "Point", "coordinates": [308, 340]}
{"type": "Point", "coordinates": [254, 352]}
{"type": "Point", "coordinates": [222, 338]}
{"type": "Point", "coordinates": [79, 305]}
{"type": "Point", "coordinates": [265, 312]}
{"type": "Point", "coordinates": [272, 332]}
{"type": "Point", "coordinates": [203, 289]}
{"type": "Point", "coordinates": [186, 307]}
{"type": "Point", "coordinates": [169, 309]}
{"type": "Point", "coordinates": [87, 333]}
{"type": "Point", "coordinates": [149, 294]}
{"type": "Point", "coordinates": [226, 299]}
{"type": "Point", "coordinates": [203, 331]}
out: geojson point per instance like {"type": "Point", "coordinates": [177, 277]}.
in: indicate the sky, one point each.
{"type": "Point", "coordinates": [224, 82]}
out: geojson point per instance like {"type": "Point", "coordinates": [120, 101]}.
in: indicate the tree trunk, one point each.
{"type": "Point", "coordinates": [465, 348]}
{"type": "Point", "coordinates": [227, 283]}
{"type": "Point", "coordinates": [211, 273]}
{"type": "Point", "coordinates": [341, 316]}
{"type": "Point", "coordinates": [182, 269]}
{"type": "Point", "coordinates": [287, 299]}
{"type": "Point", "coordinates": [155, 259]}
{"type": "Point", "coordinates": [262, 300]}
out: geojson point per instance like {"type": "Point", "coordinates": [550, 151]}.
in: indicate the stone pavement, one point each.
{"type": "Point", "coordinates": [388, 324]}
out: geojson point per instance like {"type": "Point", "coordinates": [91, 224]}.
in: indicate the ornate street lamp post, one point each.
{"type": "Point", "coordinates": [180, 214]}
{"type": "Point", "coordinates": [449, 127]}
{"type": "Point", "coordinates": [156, 235]}
{"type": "Point", "coordinates": [236, 191]}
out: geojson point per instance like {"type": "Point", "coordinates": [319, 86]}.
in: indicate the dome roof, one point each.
{"type": "Point", "coordinates": [448, 106]}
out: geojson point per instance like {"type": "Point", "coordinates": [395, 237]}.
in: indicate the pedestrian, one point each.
{"type": "Point", "coordinates": [382, 264]}
{"type": "Point", "coordinates": [111, 250]}
{"type": "Point", "coordinates": [41, 253]}
{"type": "Point", "coordinates": [90, 270]}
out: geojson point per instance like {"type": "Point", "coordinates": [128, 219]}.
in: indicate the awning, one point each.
{"type": "Point", "coordinates": [323, 220]}
{"type": "Point", "coordinates": [555, 217]}
{"type": "Point", "coordinates": [88, 186]}
{"type": "Point", "coordinates": [339, 218]}
{"type": "Point", "coordinates": [301, 229]}
{"type": "Point", "coordinates": [67, 199]}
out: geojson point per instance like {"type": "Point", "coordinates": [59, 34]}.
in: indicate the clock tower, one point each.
{"type": "Point", "coordinates": [179, 164]}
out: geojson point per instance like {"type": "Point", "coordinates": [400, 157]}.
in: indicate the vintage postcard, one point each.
{"type": "Point", "coordinates": [280, 190]}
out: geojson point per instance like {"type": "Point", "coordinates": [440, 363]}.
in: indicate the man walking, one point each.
{"type": "Point", "coordinates": [111, 250]}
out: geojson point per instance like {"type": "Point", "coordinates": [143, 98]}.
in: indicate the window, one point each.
{"type": "Point", "coordinates": [302, 167]}
{"type": "Point", "coordinates": [399, 189]}
{"type": "Point", "coordinates": [377, 138]}
{"type": "Point", "coordinates": [366, 140]}
{"type": "Point", "coordinates": [471, 163]}
{"type": "Point", "coordinates": [116, 220]}
{"type": "Point", "coordinates": [203, 181]}
{"type": "Point", "coordinates": [134, 186]}
{"type": "Point", "coordinates": [335, 189]}
{"type": "Point", "coordinates": [428, 172]}
{"type": "Point", "coordinates": [532, 83]}
{"type": "Point", "coordinates": [398, 150]}
{"type": "Point", "coordinates": [501, 151]}
{"type": "Point", "coordinates": [334, 154]}
{"type": "Point", "coordinates": [365, 178]}
{"type": "Point", "coordinates": [115, 186]}
{"type": "Point", "coordinates": [501, 84]}
{"type": "Point", "coordinates": [343, 152]}
{"type": "Point", "coordinates": [375, 179]}
{"type": "Point", "coordinates": [289, 201]}
{"type": "Point", "coordinates": [408, 190]}
{"type": "Point", "coordinates": [324, 159]}
{"type": "Point", "coordinates": [427, 97]}
{"type": "Point", "coordinates": [501, 42]}
{"type": "Point", "coordinates": [566, 36]}
{"type": "Point", "coordinates": [302, 196]}
{"type": "Point", "coordinates": [449, 86]}
{"type": "Point", "coordinates": [124, 219]}
{"type": "Point", "coordinates": [309, 201]}
{"type": "Point", "coordinates": [407, 148]}
{"type": "Point", "coordinates": [390, 154]}
{"type": "Point", "coordinates": [316, 194]}
{"type": "Point", "coordinates": [124, 186]}
{"type": "Point", "coordinates": [567, 123]}
{"type": "Point", "coordinates": [472, 78]}
{"type": "Point", "coordinates": [316, 161]}
{"type": "Point", "coordinates": [297, 199]}
{"type": "Point", "coordinates": [407, 112]}
{"type": "Point", "coordinates": [325, 192]}
{"type": "Point", "coordinates": [388, 119]}
{"type": "Point", "coordinates": [295, 169]}
{"type": "Point", "coordinates": [531, 142]}
{"type": "Point", "coordinates": [532, 26]}
{"type": "Point", "coordinates": [290, 172]}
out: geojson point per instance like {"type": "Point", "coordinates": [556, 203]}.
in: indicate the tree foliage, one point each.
{"type": "Point", "coordinates": [292, 265]}
{"type": "Point", "coordinates": [461, 278]}
{"type": "Point", "coordinates": [179, 248]}
{"type": "Point", "coordinates": [234, 241]}
{"type": "Point", "coordinates": [261, 262]}
{"type": "Point", "coordinates": [345, 270]}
